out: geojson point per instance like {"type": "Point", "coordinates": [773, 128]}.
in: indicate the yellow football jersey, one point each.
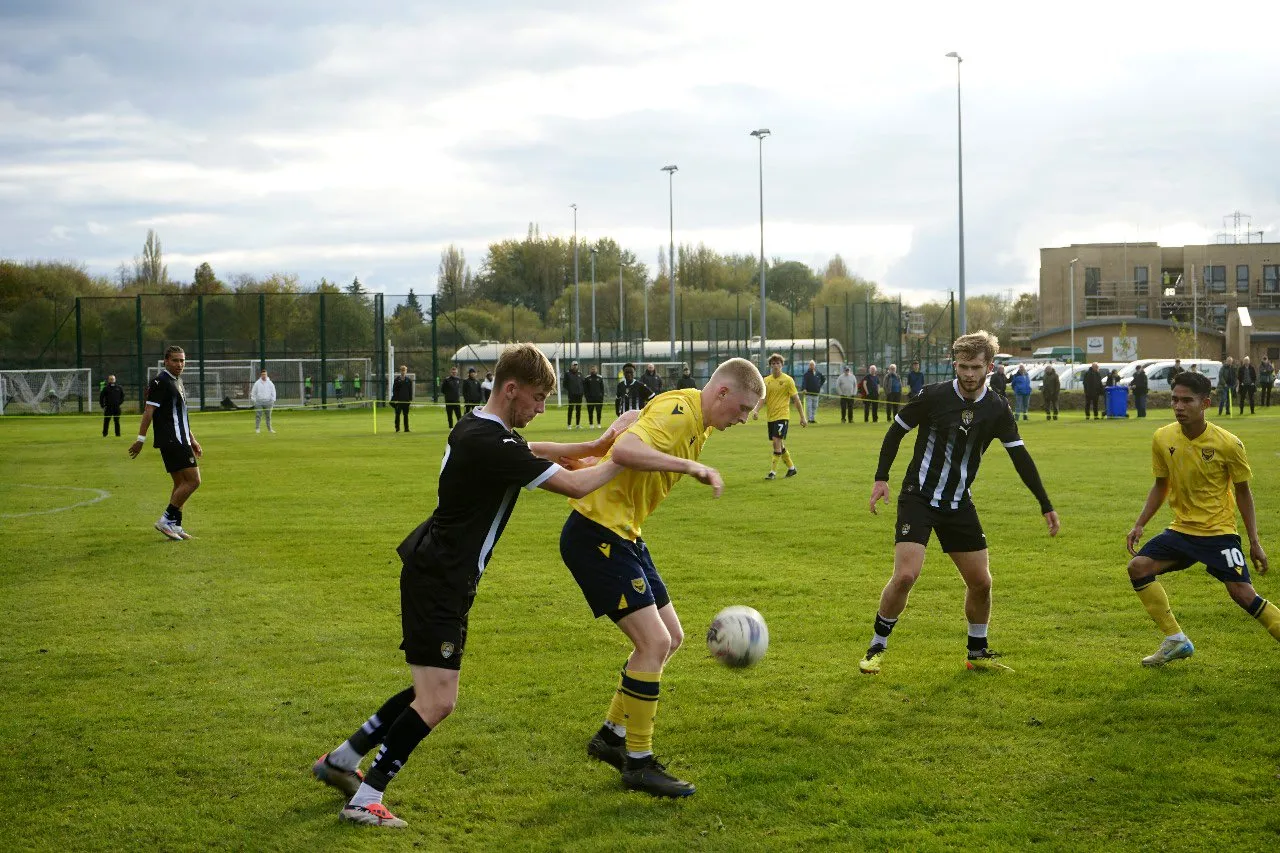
{"type": "Point", "coordinates": [672, 423]}
{"type": "Point", "coordinates": [1201, 475]}
{"type": "Point", "coordinates": [777, 396]}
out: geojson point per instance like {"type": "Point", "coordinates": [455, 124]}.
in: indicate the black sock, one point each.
{"type": "Point", "coordinates": [610, 737]}
{"type": "Point", "coordinates": [883, 626]}
{"type": "Point", "coordinates": [172, 513]}
{"type": "Point", "coordinates": [405, 734]}
{"type": "Point", "coordinates": [375, 729]}
{"type": "Point", "coordinates": [977, 644]}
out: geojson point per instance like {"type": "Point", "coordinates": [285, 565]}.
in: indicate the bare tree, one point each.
{"type": "Point", "coordinates": [454, 282]}
{"type": "Point", "coordinates": [150, 270]}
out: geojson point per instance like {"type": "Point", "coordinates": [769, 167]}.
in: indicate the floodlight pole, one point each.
{"type": "Point", "coordinates": [577, 331]}
{"type": "Point", "coordinates": [1072, 288]}
{"type": "Point", "coordinates": [764, 313]}
{"type": "Point", "coordinates": [964, 328]}
{"type": "Point", "coordinates": [671, 258]}
{"type": "Point", "coordinates": [594, 251]}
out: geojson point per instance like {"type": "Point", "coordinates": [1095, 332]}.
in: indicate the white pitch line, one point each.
{"type": "Point", "coordinates": [100, 495]}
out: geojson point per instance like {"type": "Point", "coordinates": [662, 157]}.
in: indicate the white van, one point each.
{"type": "Point", "coordinates": [1073, 378]}
{"type": "Point", "coordinates": [1158, 372]}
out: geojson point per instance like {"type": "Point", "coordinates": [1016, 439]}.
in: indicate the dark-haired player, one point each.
{"type": "Point", "coordinates": [166, 409]}
{"type": "Point", "coordinates": [957, 421]}
{"type": "Point", "coordinates": [1201, 469]}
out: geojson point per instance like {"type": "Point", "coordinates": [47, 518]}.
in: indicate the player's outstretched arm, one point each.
{"type": "Point", "coordinates": [587, 452]}
{"type": "Point", "coordinates": [630, 451]}
{"type": "Point", "coordinates": [136, 447]}
{"type": "Point", "coordinates": [582, 482]}
{"type": "Point", "coordinates": [1248, 513]}
{"type": "Point", "coordinates": [1026, 468]}
{"type": "Point", "coordinates": [795, 401]}
{"type": "Point", "coordinates": [1155, 498]}
{"type": "Point", "coordinates": [879, 494]}
{"type": "Point", "coordinates": [888, 452]}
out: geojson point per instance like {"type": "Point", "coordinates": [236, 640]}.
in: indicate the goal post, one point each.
{"type": "Point", "coordinates": [46, 392]}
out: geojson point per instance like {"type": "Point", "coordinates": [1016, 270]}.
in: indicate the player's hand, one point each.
{"type": "Point", "coordinates": [803, 423]}
{"type": "Point", "coordinates": [1051, 519]}
{"type": "Point", "coordinates": [135, 449]}
{"type": "Point", "coordinates": [708, 476]}
{"type": "Point", "coordinates": [195, 446]}
{"type": "Point", "coordinates": [879, 492]}
{"type": "Point", "coordinates": [1259, 558]}
{"type": "Point", "coordinates": [755, 416]}
{"type": "Point", "coordinates": [1131, 541]}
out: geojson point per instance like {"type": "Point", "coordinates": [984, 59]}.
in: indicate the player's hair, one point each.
{"type": "Point", "coordinates": [1196, 383]}
{"type": "Point", "coordinates": [628, 365]}
{"type": "Point", "coordinates": [777, 356]}
{"type": "Point", "coordinates": [741, 373]}
{"type": "Point", "coordinates": [168, 351]}
{"type": "Point", "coordinates": [525, 364]}
{"type": "Point", "coordinates": [974, 344]}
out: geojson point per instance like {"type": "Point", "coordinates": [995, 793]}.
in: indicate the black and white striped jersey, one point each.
{"type": "Point", "coordinates": [169, 418]}
{"type": "Point", "coordinates": [954, 433]}
{"type": "Point", "coordinates": [485, 466]}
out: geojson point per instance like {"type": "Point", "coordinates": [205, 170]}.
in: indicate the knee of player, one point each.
{"type": "Point", "coordinates": [677, 640]}
{"type": "Point", "coordinates": [433, 709]}
{"type": "Point", "coordinates": [905, 577]}
{"type": "Point", "coordinates": [1141, 567]}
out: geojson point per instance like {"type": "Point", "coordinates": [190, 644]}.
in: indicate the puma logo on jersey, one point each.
{"type": "Point", "coordinates": [677, 410]}
{"type": "Point", "coordinates": [605, 548]}
{"type": "Point", "coordinates": [512, 440]}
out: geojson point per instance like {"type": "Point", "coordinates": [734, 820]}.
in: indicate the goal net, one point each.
{"type": "Point", "coordinates": [297, 380]}
{"type": "Point", "coordinates": [46, 391]}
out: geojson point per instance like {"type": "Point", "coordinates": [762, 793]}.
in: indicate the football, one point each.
{"type": "Point", "coordinates": [738, 636]}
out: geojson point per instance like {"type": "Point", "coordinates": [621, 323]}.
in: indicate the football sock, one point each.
{"type": "Point", "coordinates": [640, 699]}
{"type": "Point", "coordinates": [405, 734]}
{"type": "Point", "coordinates": [1266, 613]}
{"type": "Point", "coordinates": [615, 721]}
{"type": "Point", "coordinates": [977, 636]}
{"type": "Point", "coordinates": [883, 628]}
{"type": "Point", "coordinates": [1153, 597]}
{"type": "Point", "coordinates": [172, 513]}
{"type": "Point", "coordinates": [372, 733]}
{"type": "Point", "coordinates": [773, 466]}
{"type": "Point", "coordinates": [786, 458]}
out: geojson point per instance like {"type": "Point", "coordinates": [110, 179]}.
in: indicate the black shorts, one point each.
{"type": "Point", "coordinates": [958, 530]}
{"type": "Point", "coordinates": [616, 575]}
{"type": "Point", "coordinates": [778, 429]}
{"type": "Point", "coordinates": [434, 607]}
{"type": "Point", "coordinates": [1220, 554]}
{"type": "Point", "coordinates": [178, 457]}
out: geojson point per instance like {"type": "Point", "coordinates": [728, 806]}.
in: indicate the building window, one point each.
{"type": "Point", "coordinates": [1271, 278]}
{"type": "Point", "coordinates": [1215, 279]}
{"type": "Point", "coordinates": [1092, 281]}
{"type": "Point", "coordinates": [1140, 281]}
{"type": "Point", "coordinates": [1142, 310]}
{"type": "Point", "coordinates": [1218, 315]}
{"type": "Point", "coordinates": [1242, 278]}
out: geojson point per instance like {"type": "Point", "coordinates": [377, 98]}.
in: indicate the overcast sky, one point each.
{"type": "Point", "coordinates": [336, 138]}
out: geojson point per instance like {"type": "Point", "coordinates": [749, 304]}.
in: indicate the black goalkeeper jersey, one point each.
{"type": "Point", "coordinates": [954, 433]}
{"type": "Point", "coordinates": [485, 466]}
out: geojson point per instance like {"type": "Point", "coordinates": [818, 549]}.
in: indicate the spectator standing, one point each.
{"type": "Point", "coordinates": [1227, 378]}
{"type": "Point", "coordinates": [1092, 382]}
{"type": "Point", "coordinates": [402, 397]}
{"type": "Point", "coordinates": [632, 393]}
{"type": "Point", "coordinates": [471, 390]}
{"type": "Point", "coordinates": [1000, 382]}
{"type": "Point", "coordinates": [263, 397]}
{"type": "Point", "coordinates": [847, 388]}
{"type": "Point", "coordinates": [356, 388]}
{"type": "Point", "coordinates": [915, 379]}
{"type": "Point", "coordinates": [686, 380]}
{"type": "Point", "coordinates": [1247, 384]}
{"type": "Point", "coordinates": [486, 387]}
{"type": "Point", "coordinates": [337, 389]}
{"type": "Point", "coordinates": [811, 383]}
{"type": "Point", "coordinates": [451, 387]}
{"type": "Point", "coordinates": [1139, 388]}
{"type": "Point", "coordinates": [593, 393]}
{"type": "Point", "coordinates": [1050, 386]}
{"type": "Point", "coordinates": [1266, 379]}
{"type": "Point", "coordinates": [1174, 371]}
{"type": "Point", "coordinates": [870, 389]}
{"type": "Point", "coordinates": [1021, 392]}
{"type": "Point", "coordinates": [571, 384]}
{"type": "Point", "coordinates": [306, 391]}
{"type": "Point", "coordinates": [111, 398]}
{"type": "Point", "coordinates": [651, 380]}
{"type": "Point", "coordinates": [892, 392]}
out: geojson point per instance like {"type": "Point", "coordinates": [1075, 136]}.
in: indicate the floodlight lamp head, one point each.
{"type": "Point", "coordinates": [761, 133]}
{"type": "Point", "coordinates": [1075, 260]}
{"type": "Point", "coordinates": [670, 169]}
{"type": "Point", "coordinates": [574, 206]}
{"type": "Point", "coordinates": [955, 56]}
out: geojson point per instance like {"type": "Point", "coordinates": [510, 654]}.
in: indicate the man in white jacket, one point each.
{"type": "Point", "coordinates": [263, 397]}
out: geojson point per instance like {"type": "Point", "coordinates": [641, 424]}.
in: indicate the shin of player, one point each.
{"type": "Point", "coordinates": [486, 464]}
{"type": "Point", "coordinates": [957, 420]}
{"type": "Point", "coordinates": [779, 396]}
{"type": "Point", "coordinates": [166, 409]}
{"type": "Point", "coordinates": [1202, 470]}
{"type": "Point", "coordinates": [601, 544]}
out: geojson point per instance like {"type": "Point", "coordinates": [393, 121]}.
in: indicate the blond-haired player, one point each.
{"type": "Point", "coordinates": [602, 545]}
{"type": "Point", "coordinates": [780, 395]}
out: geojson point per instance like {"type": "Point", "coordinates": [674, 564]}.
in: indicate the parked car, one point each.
{"type": "Point", "coordinates": [1074, 379]}
{"type": "Point", "coordinates": [1158, 372]}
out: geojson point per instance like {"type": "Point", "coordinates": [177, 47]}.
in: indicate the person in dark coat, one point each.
{"type": "Point", "coordinates": [1050, 387]}
{"type": "Point", "coordinates": [686, 379]}
{"type": "Point", "coordinates": [869, 388]}
{"type": "Point", "coordinates": [472, 394]}
{"type": "Point", "coordinates": [111, 399]}
{"type": "Point", "coordinates": [1246, 384]}
{"type": "Point", "coordinates": [1092, 382]}
{"type": "Point", "coordinates": [402, 396]}
{"type": "Point", "coordinates": [651, 380]}
{"type": "Point", "coordinates": [1139, 387]}
{"type": "Point", "coordinates": [451, 387]}
{"type": "Point", "coordinates": [593, 393]}
{"type": "Point", "coordinates": [999, 382]}
{"type": "Point", "coordinates": [571, 385]}
{"type": "Point", "coordinates": [915, 379]}
{"type": "Point", "coordinates": [1266, 380]}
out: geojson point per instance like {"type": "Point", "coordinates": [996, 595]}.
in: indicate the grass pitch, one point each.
{"type": "Point", "coordinates": [172, 696]}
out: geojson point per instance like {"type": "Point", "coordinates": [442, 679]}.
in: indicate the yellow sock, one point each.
{"type": "Point", "coordinates": [1270, 619]}
{"type": "Point", "coordinates": [617, 710]}
{"type": "Point", "coordinates": [773, 466]}
{"type": "Point", "coordinates": [640, 700]}
{"type": "Point", "coordinates": [786, 458]}
{"type": "Point", "coordinates": [1154, 599]}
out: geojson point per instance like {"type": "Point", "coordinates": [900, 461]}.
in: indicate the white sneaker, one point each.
{"type": "Point", "coordinates": [257, 430]}
{"type": "Point", "coordinates": [182, 533]}
{"type": "Point", "coordinates": [168, 528]}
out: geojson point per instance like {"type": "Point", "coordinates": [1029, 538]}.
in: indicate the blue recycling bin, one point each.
{"type": "Point", "coordinates": [1117, 401]}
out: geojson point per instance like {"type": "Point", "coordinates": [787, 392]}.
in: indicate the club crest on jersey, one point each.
{"type": "Point", "coordinates": [446, 650]}
{"type": "Point", "coordinates": [905, 529]}
{"type": "Point", "coordinates": [638, 585]}
{"type": "Point", "coordinates": [966, 417]}
{"type": "Point", "coordinates": [1206, 454]}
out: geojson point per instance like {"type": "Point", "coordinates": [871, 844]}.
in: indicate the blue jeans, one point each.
{"type": "Point", "coordinates": [1021, 403]}
{"type": "Point", "coordinates": [811, 405]}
